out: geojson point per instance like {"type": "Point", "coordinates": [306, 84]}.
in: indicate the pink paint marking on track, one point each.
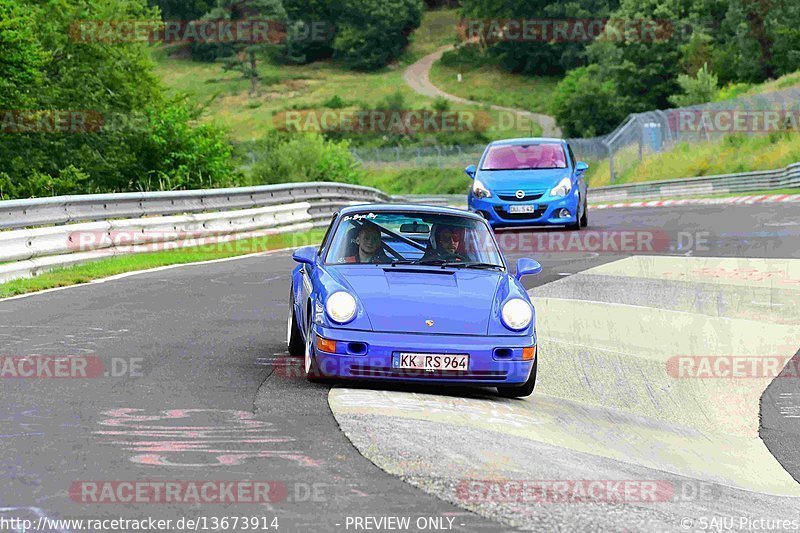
{"type": "Point", "coordinates": [173, 438]}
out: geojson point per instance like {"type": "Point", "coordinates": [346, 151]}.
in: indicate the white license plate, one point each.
{"type": "Point", "coordinates": [522, 208]}
{"type": "Point", "coordinates": [428, 361]}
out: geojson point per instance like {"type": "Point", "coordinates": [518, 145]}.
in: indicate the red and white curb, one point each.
{"type": "Point", "coordinates": [767, 198]}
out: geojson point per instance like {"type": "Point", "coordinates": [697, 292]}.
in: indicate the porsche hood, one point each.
{"type": "Point", "coordinates": [426, 300]}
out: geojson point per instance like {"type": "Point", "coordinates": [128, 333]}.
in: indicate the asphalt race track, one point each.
{"type": "Point", "coordinates": [200, 387]}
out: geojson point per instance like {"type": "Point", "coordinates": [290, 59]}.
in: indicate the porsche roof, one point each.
{"type": "Point", "coordinates": [411, 208]}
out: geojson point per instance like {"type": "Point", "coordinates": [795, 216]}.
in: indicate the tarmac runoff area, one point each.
{"type": "Point", "coordinates": [646, 411]}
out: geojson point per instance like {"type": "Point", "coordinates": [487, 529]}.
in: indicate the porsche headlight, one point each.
{"type": "Point", "coordinates": [341, 307]}
{"type": "Point", "coordinates": [563, 188]}
{"type": "Point", "coordinates": [480, 190]}
{"type": "Point", "coordinates": [517, 314]}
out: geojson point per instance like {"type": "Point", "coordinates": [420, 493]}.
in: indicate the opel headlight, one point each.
{"type": "Point", "coordinates": [563, 188]}
{"type": "Point", "coordinates": [517, 314]}
{"type": "Point", "coordinates": [341, 307]}
{"type": "Point", "coordinates": [480, 190]}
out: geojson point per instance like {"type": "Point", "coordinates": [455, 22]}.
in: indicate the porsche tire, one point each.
{"type": "Point", "coordinates": [310, 367]}
{"type": "Point", "coordinates": [294, 339]}
{"type": "Point", "coordinates": [521, 391]}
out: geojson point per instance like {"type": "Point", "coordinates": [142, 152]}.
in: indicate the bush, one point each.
{"type": "Point", "coordinates": [286, 158]}
{"type": "Point", "coordinates": [374, 32]}
{"type": "Point", "coordinates": [441, 104]}
{"type": "Point", "coordinates": [69, 180]}
{"type": "Point", "coordinates": [467, 56]}
{"type": "Point", "coordinates": [334, 102]}
{"type": "Point", "coordinates": [393, 102]}
{"type": "Point", "coordinates": [586, 105]}
{"type": "Point", "coordinates": [698, 90]}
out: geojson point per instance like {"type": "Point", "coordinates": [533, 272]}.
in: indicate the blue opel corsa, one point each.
{"type": "Point", "coordinates": [529, 182]}
{"type": "Point", "coordinates": [413, 293]}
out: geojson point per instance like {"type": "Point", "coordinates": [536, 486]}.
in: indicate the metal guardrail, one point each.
{"type": "Point", "coordinates": [66, 209]}
{"type": "Point", "coordinates": [722, 184]}
{"type": "Point", "coordinates": [46, 233]}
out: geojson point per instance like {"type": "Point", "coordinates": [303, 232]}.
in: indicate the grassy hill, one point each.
{"type": "Point", "coordinates": [732, 154]}
{"type": "Point", "coordinates": [309, 87]}
{"type": "Point", "coordinates": [324, 85]}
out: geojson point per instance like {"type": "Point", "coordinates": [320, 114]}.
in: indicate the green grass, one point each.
{"type": "Point", "coordinates": [438, 29]}
{"type": "Point", "coordinates": [493, 85]}
{"type": "Point", "coordinates": [738, 90]}
{"type": "Point", "coordinates": [128, 263]}
{"type": "Point", "coordinates": [418, 180]}
{"type": "Point", "coordinates": [732, 154]}
{"type": "Point", "coordinates": [308, 87]}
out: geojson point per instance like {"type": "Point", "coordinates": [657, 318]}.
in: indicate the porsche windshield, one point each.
{"type": "Point", "coordinates": [413, 238]}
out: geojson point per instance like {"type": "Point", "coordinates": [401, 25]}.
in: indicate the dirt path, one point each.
{"type": "Point", "coordinates": [417, 76]}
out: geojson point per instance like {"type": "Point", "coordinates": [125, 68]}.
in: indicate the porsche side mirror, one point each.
{"type": "Point", "coordinates": [580, 166]}
{"type": "Point", "coordinates": [306, 254]}
{"type": "Point", "coordinates": [470, 170]}
{"type": "Point", "coordinates": [527, 267]}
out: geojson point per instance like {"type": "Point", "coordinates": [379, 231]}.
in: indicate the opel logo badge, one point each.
{"type": "Point", "coordinates": [429, 323]}
{"type": "Point", "coordinates": [520, 194]}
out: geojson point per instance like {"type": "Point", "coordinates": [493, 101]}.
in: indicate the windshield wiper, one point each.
{"type": "Point", "coordinates": [474, 265]}
{"type": "Point", "coordinates": [459, 264]}
{"type": "Point", "coordinates": [435, 262]}
{"type": "Point", "coordinates": [396, 262]}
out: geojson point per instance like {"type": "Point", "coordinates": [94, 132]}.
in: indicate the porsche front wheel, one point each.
{"type": "Point", "coordinates": [294, 339]}
{"type": "Point", "coordinates": [520, 391]}
{"type": "Point", "coordinates": [310, 363]}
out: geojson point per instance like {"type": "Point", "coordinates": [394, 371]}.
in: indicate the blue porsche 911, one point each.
{"type": "Point", "coordinates": [529, 182]}
{"type": "Point", "coordinates": [413, 293]}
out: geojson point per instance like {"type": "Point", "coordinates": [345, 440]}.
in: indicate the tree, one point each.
{"type": "Point", "coordinates": [371, 33]}
{"type": "Point", "coordinates": [21, 56]}
{"type": "Point", "coordinates": [311, 31]}
{"type": "Point", "coordinates": [697, 90]}
{"type": "Point", "coordinates": [761, 39]}
{"type": "Point", "coordinates": [541, 54]}
{"type": "Point", "coordinates": [586, 105]}
{"type": "Point", "coordinates": [135, 137]}
{"type": "Point", "coordinates": [246, 50]}
{"type": "Point", "coordinates": [182, 10]}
